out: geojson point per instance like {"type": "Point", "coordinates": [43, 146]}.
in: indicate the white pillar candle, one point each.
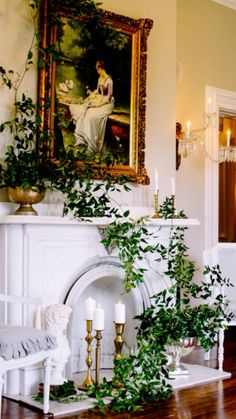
{"type": "Point", "coordinates": [188, 129]}
{"type": "Point", "coordinates": [172, 186]}
{"type": "Point", "coordinates": [99, 317]}
{"type": "Point", "coordinates": [119, 313]}
{"type": "Point", "coordinates": [89, 307]}
{"type": "Point", "coordinates": [156, 181]}
{"type": "Point", "coordinates": [228, 137]}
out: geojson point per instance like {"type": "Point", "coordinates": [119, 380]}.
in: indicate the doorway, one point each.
{"type": "Point", "coordinates": [227, 181]}
{"type": "Point", "coordinates": [217, 219]}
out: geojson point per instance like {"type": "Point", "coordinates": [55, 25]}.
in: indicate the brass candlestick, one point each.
{"type": "Point", "coordinates": [119, 339]}
{"type": "Point", "coordinates": [156, 206]}
{"type": "Point", "coordinates": [98, 337]}
{"type": "Point", "coordinates": [88, 380]}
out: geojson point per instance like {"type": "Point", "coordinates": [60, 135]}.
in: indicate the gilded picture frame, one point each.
{"type": "Point", "coordinates": [73, 46]}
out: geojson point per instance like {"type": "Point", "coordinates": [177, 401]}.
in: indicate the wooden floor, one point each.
{"type": "Point", "coordinates": [211, 401]}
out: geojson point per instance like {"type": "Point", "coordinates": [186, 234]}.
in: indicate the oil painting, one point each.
{"type": "Point", "coordinates": [96, 82]}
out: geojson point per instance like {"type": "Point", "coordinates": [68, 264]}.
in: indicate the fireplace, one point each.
{"type": "Point", "coordinates": [63, 261]}
{"type": "Point", "coordinates": [102, 280]}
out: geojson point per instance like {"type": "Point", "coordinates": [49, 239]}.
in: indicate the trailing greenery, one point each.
{"type": "Point", "coordinates": [138, 380]}
{"type": "Point", "coordinates": [186, 308]}
{"type": "Point", "coordinates": [132, 239]}
{"type": "Point", "coordinates": [22, 166]}
{"type": "Point", "coordinates": [84, 195]}
{"type": "Point", "coordinates": [135, 242]}
{"type": "Point", "coordinates": [167, 210]}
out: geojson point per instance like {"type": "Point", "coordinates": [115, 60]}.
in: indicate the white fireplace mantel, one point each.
{"type": "Point", "coordinates": [42, 256]}
{"type": "Point", "coordinates": [96, 221]}
{"type": "Point", "coordinates": [55, 259]}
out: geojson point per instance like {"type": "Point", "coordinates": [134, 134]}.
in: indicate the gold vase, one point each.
{"type": "Point", "coordinates": [24, 197]}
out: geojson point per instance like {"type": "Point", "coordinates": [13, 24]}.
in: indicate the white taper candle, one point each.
{"type": "Point", "coordinates": [156, 181]}
{"type": "Point", "coordinates": [172, 186]}
{"type": "Point", "coordinates": [89, 307]}
{"type": "Point", "coordinates": [228, 137]}
{"type": "Point", "coordinates": [188, 129]}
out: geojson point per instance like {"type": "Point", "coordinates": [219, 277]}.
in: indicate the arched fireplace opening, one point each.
{"type": "Point", "coordinates": [102, 279]}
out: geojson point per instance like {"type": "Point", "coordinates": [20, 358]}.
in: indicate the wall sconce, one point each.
{"type": "Point", "coordinates": [227, 153]}
{"type": "Point", "coordinates": [189, 141]}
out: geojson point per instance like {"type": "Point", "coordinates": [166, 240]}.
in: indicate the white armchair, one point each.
{"type": "Point", "coordinates": [224, 254]}
{"type": "Point", "coordinates": [22, 346]}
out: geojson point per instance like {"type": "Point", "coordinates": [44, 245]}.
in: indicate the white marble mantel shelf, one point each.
{"type": "Point", "coordinates": [96, 221]}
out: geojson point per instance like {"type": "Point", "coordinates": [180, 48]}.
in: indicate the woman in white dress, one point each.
{"type": "Point", "coordinates": [90, 117]}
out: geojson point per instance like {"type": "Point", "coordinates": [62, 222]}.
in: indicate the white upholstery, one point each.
{"type": "Point", "coordinates": [23, 346]}
{"type": "Point", "coordinates": [224, 254]}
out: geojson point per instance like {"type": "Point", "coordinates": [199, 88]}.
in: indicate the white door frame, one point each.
{"type": "Point", "coordinates": [220, 99]}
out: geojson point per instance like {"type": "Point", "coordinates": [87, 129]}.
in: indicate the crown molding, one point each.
{"type": "Point", "coordinates": [228, 3]}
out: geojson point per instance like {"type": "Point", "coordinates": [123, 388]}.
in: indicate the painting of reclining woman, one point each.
{"type": "Point", "coordinates": [93, 85]}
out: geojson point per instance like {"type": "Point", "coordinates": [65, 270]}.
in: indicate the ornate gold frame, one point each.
{"type": "Point", "coordinates": [138, 31]}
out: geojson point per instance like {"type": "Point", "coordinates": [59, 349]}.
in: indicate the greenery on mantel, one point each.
{"type": "Point", "coordinates": [134, 241]}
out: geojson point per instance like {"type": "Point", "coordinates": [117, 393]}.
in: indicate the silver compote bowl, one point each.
{"type": "Point", "coordinates": [177, 351]}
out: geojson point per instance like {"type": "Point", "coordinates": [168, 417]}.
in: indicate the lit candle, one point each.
{"type": "Point", "coordinates": [188, 129]}
{"type": "Point", "coordinates": [156, 181]}
{"type": "Point", "coordinates": [99, 316]}
{"type": "Point", "coordinates": [209, 102]}
{"type": "Point", "coordinates": [172, 186]}
{"type": "Point", "coordinates": [119, 313]}
{"type": "Point", "coordinates": [228, 137]}
{"type": "Point", "coordinates": [89, 307]}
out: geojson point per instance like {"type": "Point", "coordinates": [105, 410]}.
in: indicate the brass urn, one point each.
{"type": "Point", "coordinates": [24, 197]}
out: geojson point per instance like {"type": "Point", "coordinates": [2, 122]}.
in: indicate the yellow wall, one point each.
{"type": "Point", "coordinates": [206, 55]}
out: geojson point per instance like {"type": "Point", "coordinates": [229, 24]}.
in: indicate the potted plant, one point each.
{"type": "Point", "coordinates": [22, 172]}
